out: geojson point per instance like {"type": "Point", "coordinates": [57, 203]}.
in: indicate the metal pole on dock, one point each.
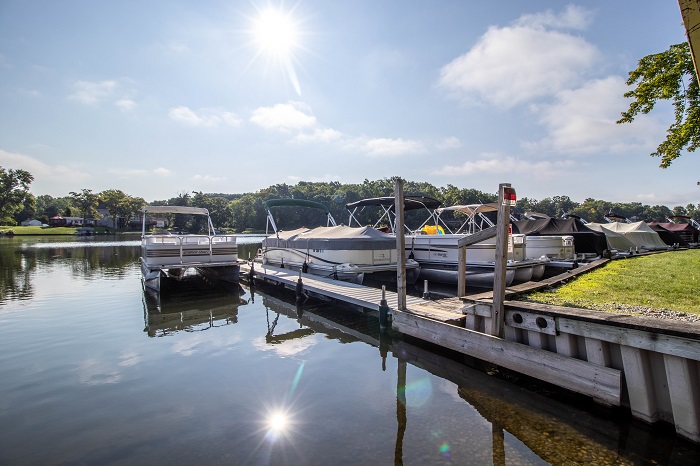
{"type": "Point", "coordinates": [506, 198]}
{"type": "Point", "coordinates": [383, 311]}
{"type": "Point", "coordinates": [400, 244]}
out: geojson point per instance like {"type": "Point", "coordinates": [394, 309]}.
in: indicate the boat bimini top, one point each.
{"type": "Point", "coordinates": [330, 221]}
{"type": "Point", "coordinates": [176, 209]}
{"type": "Point", "coordinates": [475, 221]}
{"type": "Point", "coordinates": [388, 204]}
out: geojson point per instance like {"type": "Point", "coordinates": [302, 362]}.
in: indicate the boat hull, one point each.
{"type": "Point", "coordinates": [329, 265]}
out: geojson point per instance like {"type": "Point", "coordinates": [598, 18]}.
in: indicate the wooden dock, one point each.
{"type": "Point", "coordinates": [358, 295]}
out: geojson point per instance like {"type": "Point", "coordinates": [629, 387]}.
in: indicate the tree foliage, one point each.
{"type": "Point", "coordinates": [86, 201]}
{"type": "Point", "coordinates": [668, 75]}
{"type": "Point", "coordinates": [14, 191]}
{"type": "Point", "coordinates": [120, 205]}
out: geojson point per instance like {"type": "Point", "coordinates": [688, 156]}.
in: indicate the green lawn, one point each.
{"type": "Point", "coordinates": [21, 230]}
{"type": "Point", "coordinates": [669, 280]}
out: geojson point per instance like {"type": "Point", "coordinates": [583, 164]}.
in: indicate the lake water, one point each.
{"type": "Point", "coordinates": [94, 370]}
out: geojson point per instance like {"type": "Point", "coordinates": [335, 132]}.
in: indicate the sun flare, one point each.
{"type": "Point", "coordinates": [277, 422]}
{"type": "Point", "coordinates": [275, 32]}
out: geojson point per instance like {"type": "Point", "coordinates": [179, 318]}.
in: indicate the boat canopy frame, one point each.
{"type": "Point", "coordinates": [176, 209]}
{"type": "Point", "coordinates": [687, 218]}
{"type": "Point", "coordinates": [475, 221]}
{"type": "Point", "coordinates": [388, 206]}
{"type": "Point", "coordinates": [269, 204]}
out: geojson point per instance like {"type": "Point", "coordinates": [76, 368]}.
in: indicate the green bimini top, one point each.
{"type": "Point", "coordinates": [295, 203]}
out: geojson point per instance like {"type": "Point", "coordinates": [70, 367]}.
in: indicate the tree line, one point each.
{"type": "Point", "coordinates": [246, 212]}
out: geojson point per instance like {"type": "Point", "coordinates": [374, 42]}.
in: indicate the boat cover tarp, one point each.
{"type": "Point", "coordinates": [616, 241]}
{"type": "Point", "coordinates": [639, 234]}
{"type": "Point", "coordinates": [667, 236]}
{"type": "Point", "coordinates": [585, 240]}
{"type": "Point", "coordinates": [685, 229]}
{"type": "Point", "coordinates": [332, 238]}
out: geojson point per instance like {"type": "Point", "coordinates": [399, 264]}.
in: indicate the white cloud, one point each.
{"type": "Point", "coordinates": [292, 116]}
{"type": "Point", "coordinates": [41, 171]}
{"type": "Point", "coordinates": [209, 118]}
{"type": "Point", "coordinates": [208, 178]}
{"type": "Point", "coordinates": [140, 172]}
{"type": "Point", "coordinates": [178, 47]}
{"type": "Point", "coordinates": [319, 135]}
{"type": "Point", "coordinates": [516, 64]}
{"type": "Point", "coordinates": [162, 172]}
{"type": "Point", "coordinates": [582, 121]}
{"type": "Point", "coordinates": [573, 17]}
{"type": "Point", "coordinates": [495, 164]}
{"type": "Point", "coordinates": [449, 143]}
{"type": "Point", "coordinates": [91, 93]}
{"type": "Point", "coordinates": [125, 104]}
{"type": "Point", "coordinates": [386, 147]}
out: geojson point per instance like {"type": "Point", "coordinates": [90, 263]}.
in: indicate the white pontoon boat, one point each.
{"type": "Point", "coordinates": [166, 256]}
{"type": "Point", "coordinates": [333, 251]}
{"type": "Point", "coordinates": [434, 246]}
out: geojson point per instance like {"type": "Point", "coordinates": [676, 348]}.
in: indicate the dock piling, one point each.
{"type": "Point", "coordinates": [400, 244]}
{"type": "Point", "coordinates": [383, 311]}
{"type": "Point", "coordinates": [301, 296]}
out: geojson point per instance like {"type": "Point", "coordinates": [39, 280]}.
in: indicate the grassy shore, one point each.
{"type": "Point", "coordinates": [669, 280]}
{"type": "Point", "coordinates": [47, 231]}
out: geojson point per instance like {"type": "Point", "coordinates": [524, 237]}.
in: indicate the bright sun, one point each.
{"type": "Point", "coordinates": [278, 422]}
{"type": "Point", "coordinates": [275, 32]}
{"type": "Point", "coordinates": [276, 35]}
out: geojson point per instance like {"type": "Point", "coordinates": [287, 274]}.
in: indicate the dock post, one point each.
{"type": "Point", "coordinates": [506, 197]}
{"type": "Point", "coordinates": [462, 271]}
{"type": "Point", "coordinates": [383, 311]}
{"type": "Point", "coordinates": [426, 293]}
{"type": "Point", "coordinates": [301, 296]}
{"type": "Point", "coordinates": [400, 244]}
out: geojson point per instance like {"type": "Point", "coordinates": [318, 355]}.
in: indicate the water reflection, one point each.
{"type": "Point", "coordinates": [21, 258]}
{"type": "Point", "coordinates": [85, 257]}
{"type": "Point", "coordinates": [194, 305]}
{"type": "Point", "coordinates": [526, 426]}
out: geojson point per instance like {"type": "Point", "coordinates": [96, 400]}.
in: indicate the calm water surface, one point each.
{"type": "Point", "coordinates": [93, 370]}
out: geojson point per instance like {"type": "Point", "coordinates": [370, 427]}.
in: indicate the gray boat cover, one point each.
{"type": "Point", "coordinates": [585, 240]}
{"type": "Point", "coordinates": [332, 238]}
{"type": "Point", "coordinates": [639, 234]}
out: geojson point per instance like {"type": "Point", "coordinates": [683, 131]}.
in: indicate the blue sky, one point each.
{"type": "Point", "coordinates": [162, 97]}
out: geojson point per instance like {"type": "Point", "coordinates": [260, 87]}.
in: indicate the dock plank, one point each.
{"type": "Point", "coordinates": [358, 294]}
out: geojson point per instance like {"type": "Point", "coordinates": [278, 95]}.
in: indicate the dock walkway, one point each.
{"type": "Point", "coordinates": [447, 311]}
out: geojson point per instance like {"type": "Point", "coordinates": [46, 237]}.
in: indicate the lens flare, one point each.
{"type": "Point", "coordinates": [276, 34]}
{"type": "Point", "coordinates": [278, 421]}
